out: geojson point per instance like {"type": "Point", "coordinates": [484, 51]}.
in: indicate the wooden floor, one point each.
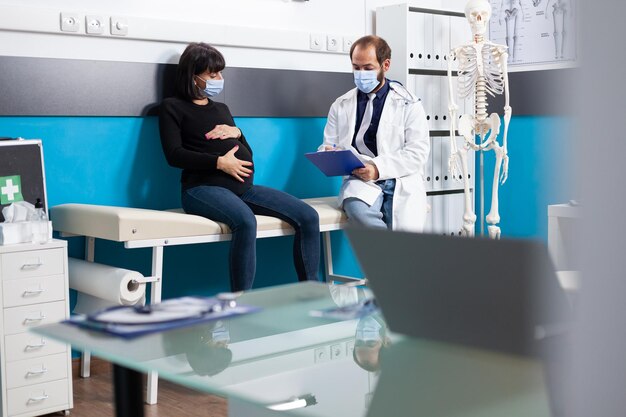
{"type": "Point", "coordinates": [93, 397]}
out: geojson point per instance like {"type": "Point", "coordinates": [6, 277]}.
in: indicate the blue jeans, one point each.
{"type": "Point", "coordinates": [379, 215]}
{"type": "Point", "coordinates": [222, 205]}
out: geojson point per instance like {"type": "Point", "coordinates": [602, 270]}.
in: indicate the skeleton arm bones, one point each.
{"type": "Point", "coordinates": [507, 116]}
{"type": "Point", "coordinates": [453, 167]}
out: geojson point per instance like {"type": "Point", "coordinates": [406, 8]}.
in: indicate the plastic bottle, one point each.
{"type": "Point", "coordinates": [40, 224]}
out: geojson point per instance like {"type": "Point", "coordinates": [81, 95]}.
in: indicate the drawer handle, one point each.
{"type": "Point", "coordinates": [39, 372]}
{"type": "Point", "coordinates": [33, 292]}
{"type": "Point", "coordinates": [39, 346]}
{"type": "Point", "coordinates": [31, 319]}
{"type": "Point", "coordinates": [38, 399]}
{"type": "Point", "coordinates": [32, 266]}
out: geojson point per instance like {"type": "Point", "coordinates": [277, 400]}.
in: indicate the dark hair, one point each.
{"type": "Point", "coordinates": [383, 51]}
{"type": "Point", "coordinates": [196, 59]}
{"type": "Point", "coordinates": [366, 366]}
{"type": "Point", "coordinates": [209, 360]}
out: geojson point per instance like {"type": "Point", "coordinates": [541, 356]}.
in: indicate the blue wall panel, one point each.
{"type": "Point", "coordinates": [540, 173]}
{"type": "Point", "coordinates": [118, 161]}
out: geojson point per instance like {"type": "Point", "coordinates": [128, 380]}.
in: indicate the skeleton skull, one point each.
{"type": "Point", "coordinates": [478, 13]}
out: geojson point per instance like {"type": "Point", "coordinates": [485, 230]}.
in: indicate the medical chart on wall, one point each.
{"type": "Point", "coordinates": [536, 31]}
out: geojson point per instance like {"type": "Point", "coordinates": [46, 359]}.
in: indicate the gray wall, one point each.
{"type": "Point", "coordinates": [67, 87]}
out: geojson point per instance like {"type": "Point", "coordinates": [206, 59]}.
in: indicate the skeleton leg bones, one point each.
{"type": "Point", "coordinates": [466, 129]}
{"type": "Point", "coordinates": [467, 126]}
{"type": "Point", "coordinates": [493, 217]}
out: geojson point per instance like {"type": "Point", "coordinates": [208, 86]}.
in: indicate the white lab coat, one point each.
{"type": "Point", "coordinates": [403, 142]}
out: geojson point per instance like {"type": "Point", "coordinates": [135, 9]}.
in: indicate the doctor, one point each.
{"type": "Point", "coordinates": [387, 125]}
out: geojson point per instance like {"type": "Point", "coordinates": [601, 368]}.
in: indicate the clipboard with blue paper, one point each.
{"type": "Point", "coordinates": [133, 321]}
{"type": "Point", "coordinates": [335, 163]}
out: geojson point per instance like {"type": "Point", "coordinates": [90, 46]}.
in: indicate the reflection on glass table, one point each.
{"type": "Point", "coordinates": [281, 358]}
{"type": "Point", "coordinates": [298, 354]}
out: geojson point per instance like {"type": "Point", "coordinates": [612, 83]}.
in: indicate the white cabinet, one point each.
{"type": "Point", "coordinates": [36, 373]}
{"type": "Point", "coordinates": [421, 40]}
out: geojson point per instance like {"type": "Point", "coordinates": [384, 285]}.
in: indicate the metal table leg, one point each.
{"type": "Point", "coordinates": [128, 388]}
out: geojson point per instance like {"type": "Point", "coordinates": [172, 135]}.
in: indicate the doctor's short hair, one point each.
{"type": "Point", "coordinates": [197, 58]}
{"type": "Point", "coordinates": [383, 51]}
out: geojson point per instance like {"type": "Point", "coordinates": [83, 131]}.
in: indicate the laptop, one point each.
{"type": "Point", "coordinates": [499, 295]}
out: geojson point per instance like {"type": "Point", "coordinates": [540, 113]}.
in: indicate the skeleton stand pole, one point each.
{"type": "Point", "coordinates": [482, 192]}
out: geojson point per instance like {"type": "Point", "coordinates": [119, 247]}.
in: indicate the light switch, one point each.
{"type": "Point", "coordinates": [119, 26]}
{"type": "Point", "coordinates": [317, 41]}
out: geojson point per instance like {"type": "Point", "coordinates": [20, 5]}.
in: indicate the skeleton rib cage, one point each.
{"type": "Point", "coordinates": [469, 75]}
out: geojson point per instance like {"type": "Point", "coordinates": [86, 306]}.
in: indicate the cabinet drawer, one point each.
{"type": "Point", "coordinates": [29, 345]}
{"type": "Point", "coordinates": [20, 319]}
{"type": "Point", "coordinates": [19, 292]}
{"type": "Point", "coordinates": [38, 397]}
{"type": "Point", "coordinates": [34, 263]}
{"type": "Point", "coordinates": [36, 370]}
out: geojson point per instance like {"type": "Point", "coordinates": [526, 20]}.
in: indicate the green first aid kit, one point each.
{"type": "Point", "coordinates": [22, 175]}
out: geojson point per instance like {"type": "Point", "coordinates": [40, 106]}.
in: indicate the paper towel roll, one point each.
{"type": "Point", "coordinates": [104, 282]}
{"type": "Point", "coordinates": [87, 304]}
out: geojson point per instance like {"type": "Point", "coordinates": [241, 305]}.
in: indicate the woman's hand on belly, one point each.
{"type": "Point", "coordinates": [224, 132]}
{"type": "Point", "coordinates": [233, 166]}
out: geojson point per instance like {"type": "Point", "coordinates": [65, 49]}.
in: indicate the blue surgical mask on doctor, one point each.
{"type": "Point", "coordinates": [220, 333]}
{"type": "Point", "coordinates": [212, 87]}
{"type": "Point", "coordinates": [366, 81]}
{"type": "Point", "coordinates": [368, 329]}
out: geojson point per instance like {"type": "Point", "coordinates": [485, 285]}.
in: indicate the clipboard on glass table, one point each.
{"type": "Point", "coordinates": [133, 321]}
{"type": "Point", "coordinates": [335, 163]}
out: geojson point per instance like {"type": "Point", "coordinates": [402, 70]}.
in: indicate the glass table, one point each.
{"type": "Point", "coordinates": [282, 360]}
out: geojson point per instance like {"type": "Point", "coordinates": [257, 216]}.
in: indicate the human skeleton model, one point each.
{"type": "Point", "coordinates": [513, 13]}
{"type": "Point", "coordinates": [482, 70]}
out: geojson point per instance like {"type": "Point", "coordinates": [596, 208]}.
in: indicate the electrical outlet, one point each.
{"type": "Point", "coordinates": [336, 351]}
{"type": "Point", "coordinates": [317, 41]}
{"type": "Point", "coordinates": [347, 43]}
{"type": "Point", "coordinates": [119, 26]}
{"type": "Point", "coordinates": [70, 22]}
{"type": "Point", "coordinates": [94, 24]}
{"type": "Point", "coordinates": [349, 348]}
{"type": "Point", "coordinates": [332, 42]}
{"type": "Point", "coordinates": [322, 354]}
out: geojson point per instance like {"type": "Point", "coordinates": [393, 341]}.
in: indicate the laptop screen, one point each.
{"type": "Point", "coordinates": [500, 295]}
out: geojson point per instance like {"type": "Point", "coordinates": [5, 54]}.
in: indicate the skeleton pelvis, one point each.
{"type": "Point", "coordinates": [469, 126]}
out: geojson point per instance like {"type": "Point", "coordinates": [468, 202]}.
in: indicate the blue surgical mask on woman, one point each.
{"type": "Point", "coordinates": [212, 87]}
{"type": "Point", "coordinates": [366, 81]}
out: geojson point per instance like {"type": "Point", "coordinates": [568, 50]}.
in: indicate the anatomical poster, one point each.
{"type": "Point", "coordinates": [536, 31]}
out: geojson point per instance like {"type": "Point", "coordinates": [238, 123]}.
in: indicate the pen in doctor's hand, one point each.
{"type": "Point", "coordinates": [330, 148]}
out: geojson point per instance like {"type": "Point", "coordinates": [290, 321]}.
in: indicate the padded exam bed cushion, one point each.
{"type": "Point", "coordinates": [124, 224]}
